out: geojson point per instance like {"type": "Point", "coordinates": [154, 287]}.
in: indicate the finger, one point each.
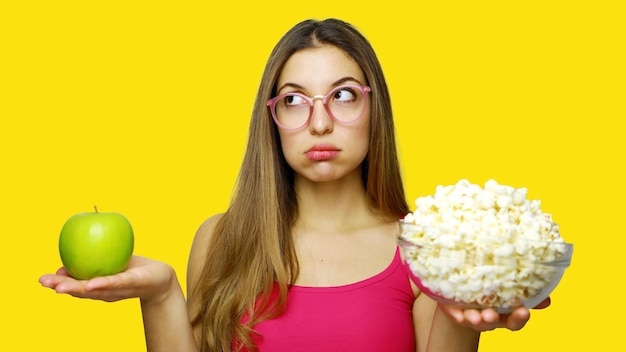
{"type": "Point", "coordinates": [47, 281]}
{"type": "Point", "coordinates": [100, 283]}
{"type": "Point", "coordinates": [113, 282]}
{"type": "Point", "coordinates": [70, 286]}
{"type": "Point", "coordinates": [455, 313]}
{"type": "Point", "coordinates": [78, 289]}
{"type": "Point", "coordinates": [473, 316]}
{"type": "Point", "coordinates": [62, 272]}
{"type": "Point", "coordinates": [52, 280]}
{"type": "Point", "coordinates": [544, 304]}
{"type": "Point", "coordinates": [517, 319]}
{"type": "Point", "coordinates": [490, 316]}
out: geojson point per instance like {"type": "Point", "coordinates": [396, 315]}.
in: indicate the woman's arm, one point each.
{"type": "Point", "coordinates": [166, 323]}
{"type": "Point", "coordinates": [167, 318]}
{"type": "Point", "coordinates": [436, 331]}
{"type": "Point", "coordinates": [166, 313]}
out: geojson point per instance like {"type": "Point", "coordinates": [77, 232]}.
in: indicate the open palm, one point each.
{"type": "Point", "coordinates": [143, 278]}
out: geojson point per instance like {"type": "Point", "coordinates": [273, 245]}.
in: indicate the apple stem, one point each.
{"type": "Point", "coordinates": [95, 207]}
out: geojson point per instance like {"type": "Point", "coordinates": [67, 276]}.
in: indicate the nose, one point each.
{"type": "Point", "coordinates": [321, 122]}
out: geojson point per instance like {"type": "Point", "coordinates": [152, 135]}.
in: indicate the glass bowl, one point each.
{"type": "Point", "coordinates": [490, 273]}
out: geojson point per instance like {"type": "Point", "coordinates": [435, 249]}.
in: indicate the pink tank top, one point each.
{"type": "Point", "coordinates": [370, 315]}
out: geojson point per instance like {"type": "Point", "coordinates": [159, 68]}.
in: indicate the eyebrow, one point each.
{"type": "Point", "coordinates": [334, 84]}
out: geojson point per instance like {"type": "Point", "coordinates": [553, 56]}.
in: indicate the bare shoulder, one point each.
{"type": "Point", "coordinates": [197, 255]}
{"type": "Point", "coordinates": [205, 231]}
{"type": "Point", "coordinates": [199, 249]}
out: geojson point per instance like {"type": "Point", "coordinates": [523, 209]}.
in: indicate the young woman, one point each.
{"type": "Point", "coordinates": [305, 258]}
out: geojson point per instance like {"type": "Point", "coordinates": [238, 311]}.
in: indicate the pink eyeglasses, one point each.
{"type": "Point", "coordinates": [344, 104]}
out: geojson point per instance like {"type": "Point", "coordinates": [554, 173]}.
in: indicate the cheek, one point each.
{"type": "Point", "coordinates": [288, 145]}
{"type": "Point", "coordinates": [361, 138]}
{"type": "Point", "coordinates": [363, 146]}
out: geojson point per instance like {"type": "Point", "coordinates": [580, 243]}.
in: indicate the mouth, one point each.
{"type": "Point", "coordinates": [322, 152]}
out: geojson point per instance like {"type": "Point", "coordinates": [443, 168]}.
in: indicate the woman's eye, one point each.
{"type": "Point", "coordinates": [344, 95]}
{"type": "Point", "coordinates": [294, 100]}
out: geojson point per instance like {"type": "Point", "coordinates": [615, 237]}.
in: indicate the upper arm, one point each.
{"type": "Point", "coordinates": [435, 330]}
{"type": "Point", "coordinates": [423, 313]}
{"type": "Point", "coordinates": [197, 257]}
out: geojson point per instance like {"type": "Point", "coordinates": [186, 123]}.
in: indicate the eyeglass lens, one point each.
{"type": "Point", "coordinates": [344, 104]}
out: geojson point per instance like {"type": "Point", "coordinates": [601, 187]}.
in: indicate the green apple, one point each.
{"type": "Point", "coordinates": [96, 244]}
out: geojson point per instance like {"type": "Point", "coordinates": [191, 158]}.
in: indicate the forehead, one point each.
{"type": "Point", "coordinates": [319, 66]}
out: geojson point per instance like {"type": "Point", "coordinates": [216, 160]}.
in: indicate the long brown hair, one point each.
{"type": "Point", "coordinates": [252, 250]}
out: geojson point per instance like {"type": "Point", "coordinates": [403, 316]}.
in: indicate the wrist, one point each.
{"type": "Point", "coordinates": [168, 288]}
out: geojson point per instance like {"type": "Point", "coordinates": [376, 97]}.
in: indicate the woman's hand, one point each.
{"type": "Point", "coordinates": [144, 278]}
{"type": "Point", "coordinates": [489, 319]}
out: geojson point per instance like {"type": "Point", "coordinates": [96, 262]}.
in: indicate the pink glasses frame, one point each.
{"type": "Point", "coordinates": [324, 98]}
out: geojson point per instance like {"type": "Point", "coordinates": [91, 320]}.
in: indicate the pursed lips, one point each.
{"type": "Point", "coordinates": [322, 152]}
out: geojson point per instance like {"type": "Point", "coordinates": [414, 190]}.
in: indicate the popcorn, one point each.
{"type": "Point", "coordinates": [503, 235]}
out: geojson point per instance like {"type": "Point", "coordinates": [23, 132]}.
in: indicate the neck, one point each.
{"type": "Point", "coordinates": [340, 204]}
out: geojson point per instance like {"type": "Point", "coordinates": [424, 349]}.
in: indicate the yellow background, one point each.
{"type": "Point", "coordinates": [141, 107]}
